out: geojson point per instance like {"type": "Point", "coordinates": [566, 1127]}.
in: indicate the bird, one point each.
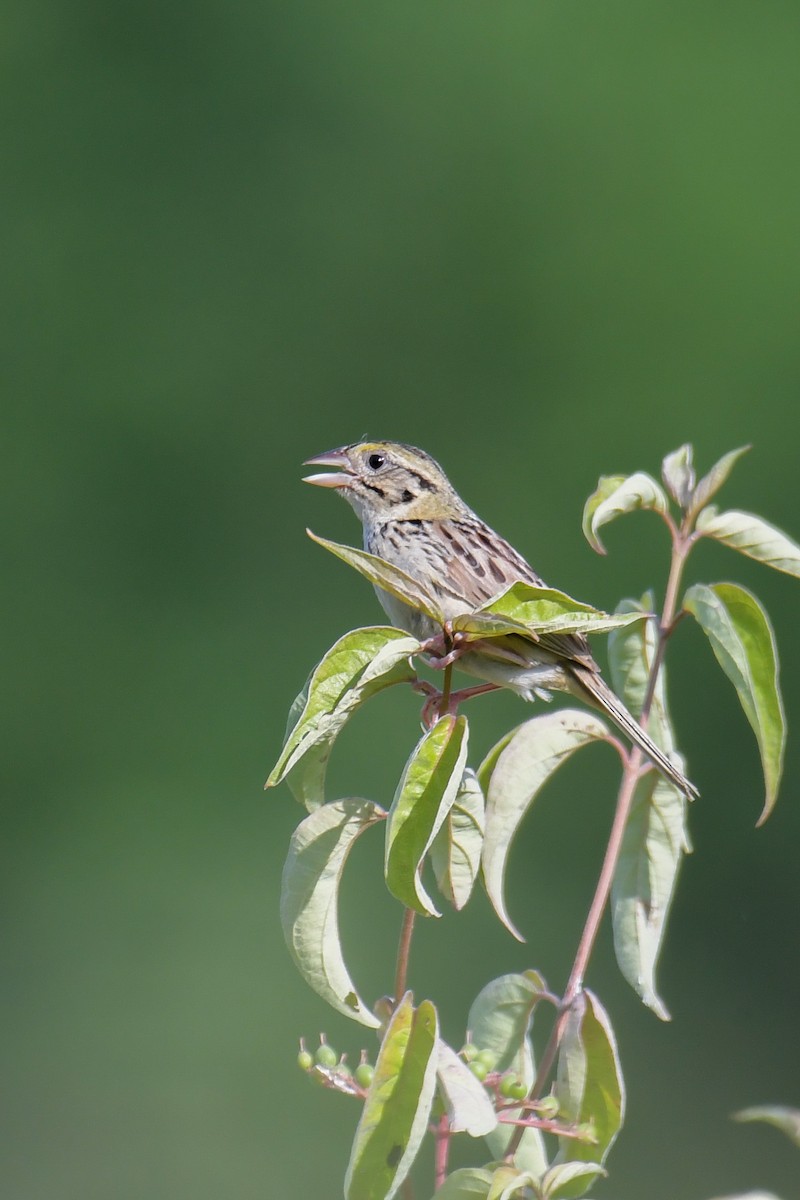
{"type": "Point", "coordinates": [413, 518]}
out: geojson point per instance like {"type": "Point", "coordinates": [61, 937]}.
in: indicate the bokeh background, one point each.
{"type": "Point", "coordinates": [543, 240]}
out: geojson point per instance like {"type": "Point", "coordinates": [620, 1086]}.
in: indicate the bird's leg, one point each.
{"type": "Point", "coordinates": [466, 693]}
{"type": "Point", "coordinates": [444, 648]}
{"type": "Point", "coordinates": [441, 651]}
{"type": "Point", "coordinates": [432, 708]}
{"type": "Point", "coordinates": [424, 688]}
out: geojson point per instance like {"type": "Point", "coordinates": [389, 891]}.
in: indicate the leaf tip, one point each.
{"type": "Point", "coordinates": [769, 804]}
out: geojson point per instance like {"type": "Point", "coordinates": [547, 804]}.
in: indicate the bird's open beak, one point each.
{"type": "Point", "coordinates": [331, 458]}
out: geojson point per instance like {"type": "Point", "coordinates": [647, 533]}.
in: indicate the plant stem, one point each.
{"type": "Point", "coordinates": [627, 788]}
{"type": "Point", "coordinates": [403, 952]}
{"type": "Point", "coordinates": [680, 548]}
{"type": "Point", "coordinates": [442, 1150]}
{"type": "Point", "coordinates": [444, 702]}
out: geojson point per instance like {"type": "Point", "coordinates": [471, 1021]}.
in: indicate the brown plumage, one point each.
{"type": "Point", "coordinates": [413, 518]}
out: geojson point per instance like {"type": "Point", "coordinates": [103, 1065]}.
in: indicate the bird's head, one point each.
{"type": "Point", "coordinates": [388, 481]}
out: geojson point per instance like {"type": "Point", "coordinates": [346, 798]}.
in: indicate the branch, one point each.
{"type": "Point", "coordinates": [681, 543]}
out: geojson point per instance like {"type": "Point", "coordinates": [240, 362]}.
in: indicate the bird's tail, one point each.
{"type": "Point", "coordinates": [592, 687]}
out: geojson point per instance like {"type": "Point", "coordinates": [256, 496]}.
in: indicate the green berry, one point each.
{"type": "Point", "coordinates": [469, 1051]}
{"type": "Point", "coordinates": [586, 1132]}
{"type": "Point", "coordinates": [512, 1087]}
{"type": "Point", "coordinates": [548, 1108]}
{"type": "Point", "coordinates": [305, 1061]}
{"type": "Point", "coordinates": [479, 1069]}
{"type": "Point", "coordinates": [365, 1073]}
{"type": "Point", "coordinates": [488, 1058]}
{"type": "Point", "coordinates": [326, 1055]}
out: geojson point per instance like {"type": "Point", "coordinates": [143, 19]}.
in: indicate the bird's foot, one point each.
{"type": "Point", "coordinates": [433, 709]}
{"type": "Point", "coordinates": [444, 648]}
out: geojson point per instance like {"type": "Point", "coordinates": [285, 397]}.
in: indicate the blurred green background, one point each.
{"type": "Point", "coordinates": [545, 241]}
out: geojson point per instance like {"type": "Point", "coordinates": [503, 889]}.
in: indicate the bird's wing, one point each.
{"type": "Point", "coordinates": [481, 564]}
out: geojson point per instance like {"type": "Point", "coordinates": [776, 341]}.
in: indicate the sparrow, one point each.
{"type": "Point", "coordinates": [413, 518]}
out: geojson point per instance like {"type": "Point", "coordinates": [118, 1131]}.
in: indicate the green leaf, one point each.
{"type": "Point", "coordinates": [759, 1195]}
{"type": "Point", "coordinates": [514, 778]}
{"type": "Point", "coordinates": [360, 664]}
{"type": "Point", "coordinates": [785, 1119]}
{"type": "Point", "coordinates": [534, 611]}
{"type": "Point", "coordinates": [655, 836]}
{"type": "Point", "coordinates": [631, 653]}
{"type": "Point", "coordinates": [644, 884]}
{"type": "Point", "coordinates": [569, 1179]}
{"type": "Point", "coordinates": [509, 1181]}
{"type": "Point", "coordinates": [486, 769]}
{"type": "Point", "coordinates": [456, 849]}
{"type": "Point", "coordinates": [618, 494]}
{"type": "Point", "coordinates": [468, 1105]}
{"type": "Point", "coordinates": [395, 1114]}
{"type": "Point", "coordinates": [710, 484]}
{"type": "Point", "coordinates": [590, 1087]}
{"type": "Point", "coordinates": [606, 486]}
{"type": "Point", "coordinates": [742, 640]}
{"type": "Point", "coordinates": [306, 780]}
{"type": "Point", "coordinates": [424, 797]}
{"type": "Point", "coordinates": [309, 896]}
{"type": "Point", "coordinates": [467, 1183]}
{"type": "Point", "coordinates": [677, 472]}
{"type": "Point", "coordinates": [752, 536]}
{"type": "Point", "coordinates": [384, 575]}
{"type": "Point", "coordinates": [500, 1020]}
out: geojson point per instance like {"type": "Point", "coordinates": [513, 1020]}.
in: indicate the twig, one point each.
{"type": "Point", "coordinates": [681, 544]}
{"type": "Point", "coordinates": [442, 1150]}
{"type": "Point", "coordinates": [444, 701]}
{"type": "Point", "coordinates": [403, 952]}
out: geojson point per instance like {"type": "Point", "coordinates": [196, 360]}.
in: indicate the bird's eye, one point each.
{"type": "Point", "coordinates": [375, 462]}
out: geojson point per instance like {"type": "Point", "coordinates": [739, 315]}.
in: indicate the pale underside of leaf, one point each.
{"type": "Point", "coordinates": [744, 645]}
{"type": "Point", "coordinates": [569, 1179]}
{"type": "Point", "coordinates": [466, 1183]}
{"type": "Point", "coordinates": [655, 837]}
{"type": "Point", "coordinates": [787, 1120]}
{"type": "Point", "coordinates": [752, 536]}
{"type": "Point", "coordinates": [309, 900]}
{"type": "Point", "coordinates": [677, 472]}
{"type": "Point", "coordinates": [395, 1113]}
{"type": "Point", "coordinates": [606, 486]}
{"type": "Point", "coordinates": [623, 495]}
{"type": "Point", "coordinates": [644, 884]}
{"type": "Point", "coordinates": [759, 1195]}
{"type": "Point", "coordinates": [456, 849]}
{"type": "Point", "coordinates": [499, 1020]}
{"type": "Point", "coordinates": [468, 1105]}
{"type": "Point", "coordinates": [509, 1182]}
{"type": "Point", "coordinates": [526, 761]}
{"type": "Point", "coordinates": [710, 484]}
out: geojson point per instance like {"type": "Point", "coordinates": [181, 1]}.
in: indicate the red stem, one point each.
{"type": "Point", "coordinates": [442, 1150]}
{"type": "Point", "coordinates": [403, 954]}
{"type": "Point", "coordinates": [630, 777]}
